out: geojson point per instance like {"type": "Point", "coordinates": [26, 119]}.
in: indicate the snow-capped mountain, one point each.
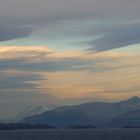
{"type": "Point", "coordinates": [32, 110]}
{"type": "Point", "coordinates": [95, 113]}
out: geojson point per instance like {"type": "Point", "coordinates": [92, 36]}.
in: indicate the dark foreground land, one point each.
{"type": "Point", "coordinates": [94, 134]}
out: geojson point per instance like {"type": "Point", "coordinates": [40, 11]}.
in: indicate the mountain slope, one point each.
{"type": "Point", "coordinates": [104, 111]}
{"type": "Point", "coordinates": [61, 119]}
{"type": "Point", "coordinates": [97, 113]}
{"type": "Point", "coordinates": [131, 119]}
{"type": "Point", "coordinates": [105, 108]}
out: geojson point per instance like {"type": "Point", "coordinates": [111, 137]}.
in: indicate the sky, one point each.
{"type": "Point", "coordinates": [64, 52]}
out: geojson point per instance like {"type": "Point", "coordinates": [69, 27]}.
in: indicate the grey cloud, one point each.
{"type": "Point", "coordinates": [10, 33]}
{"type": "Point", "coordinates": [35, 13]}
{"type": "Point", "coordinates": [62, 65]}
{"type": "Point", "coordinates": [59, 9]}
{"type": "Point", "coordinates": [119, 36]}
{"type": "Point", "coordinates": [22, 81]}
{"type": "Point", "coordinates": [67, 64]}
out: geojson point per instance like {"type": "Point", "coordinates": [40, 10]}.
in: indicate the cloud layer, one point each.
{"type": "Point", "coordinates": [117, 37]}
{"type": "Point", "coordinates": [19, 19]}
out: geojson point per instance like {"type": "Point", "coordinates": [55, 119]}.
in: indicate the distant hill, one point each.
{"type": "Point", "coordinates": [17, 126]}
{"type": "Point", "coordinates": [95, 113]}
{"type": "Point", "coordinates": [81, 127]}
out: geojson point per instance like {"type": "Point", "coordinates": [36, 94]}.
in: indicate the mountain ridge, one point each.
{"type": "Point", "coordinates": [95, 113]}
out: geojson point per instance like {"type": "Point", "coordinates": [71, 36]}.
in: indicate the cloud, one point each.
{"type": "Point", "coordinates": [40, 59]}
{"type": "Point", "coordinates": [12, 79]}
{"type": "Point", "coordinates": [11, 33]}
{"type": "Point", "coordinates": [120, 36]}
{"type": "Point", "coordinates": [19, 19]}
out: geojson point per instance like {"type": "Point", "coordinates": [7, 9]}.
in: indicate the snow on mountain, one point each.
{"type": "Point", "coordinates": [32, 110]}
{"type": "Point", "coordinates": [98, 113]}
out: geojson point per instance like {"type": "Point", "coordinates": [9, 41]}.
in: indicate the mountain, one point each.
{"type": "Point", "coordinates": [32, 110]}
{"type": "Point", "coordinates": [102, 112]}
{"type": "Point", "coordinates": [95, 113]}
{"type": "Point", "coordinates": [60, 119]}
{"type": "Point", "coordinates": [131, 119]}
